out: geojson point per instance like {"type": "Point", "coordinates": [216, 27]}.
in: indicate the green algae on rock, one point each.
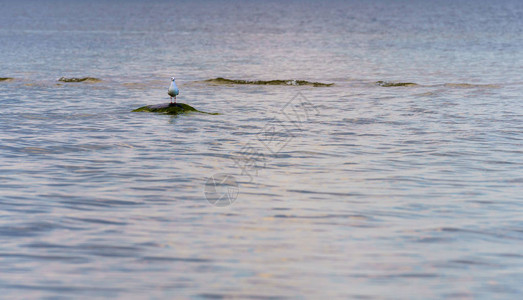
{"type": "Point", "coordinates": [389, 84]}
{"type": "Point", "coordinates": [79, 79]}
{"type": "Point", "coordinates": [6, 78]}
{"type": "Point", "coordinates": [170, 109]}
{"type": "Point", "coordinates": [221, 80]}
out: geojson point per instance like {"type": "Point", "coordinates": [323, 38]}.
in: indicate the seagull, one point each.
{"type": "Point", "coordinates": [173, 90]}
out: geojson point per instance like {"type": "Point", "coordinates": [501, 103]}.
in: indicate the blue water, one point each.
{"type": "Point", "coordinates": [375, 191]}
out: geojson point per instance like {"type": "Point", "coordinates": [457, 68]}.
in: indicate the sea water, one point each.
{"type": "Point", "coordinates": [403, 179]}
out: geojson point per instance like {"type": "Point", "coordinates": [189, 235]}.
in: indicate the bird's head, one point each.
{"type": "Point", "coordinates": [172, 78]}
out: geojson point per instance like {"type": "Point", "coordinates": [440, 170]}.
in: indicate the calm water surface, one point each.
{"type": "Point", "coordinates": [383, 192]}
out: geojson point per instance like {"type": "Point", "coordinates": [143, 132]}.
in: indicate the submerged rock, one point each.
{"type": "Point", "coordinates": [6, 78]}
{"type": "Point", "coordinates": [221, 80]}
{"type": "Point", "coordinates": [471, 85]}
{"type": "Point", "coordinates": [79, 79]}
{"type": "Point", "coordinates": [389, 84]}
{"type": "Point", "coordinates": [170, 109]}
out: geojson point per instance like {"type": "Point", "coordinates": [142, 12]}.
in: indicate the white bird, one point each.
{"type": "Point", "coordinates": [173, 90]}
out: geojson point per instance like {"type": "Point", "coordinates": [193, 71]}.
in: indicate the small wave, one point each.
{"type": "Point", "coordinates": [360, 121]}
{"type": "Point", "coordinates": [389, 84]}
{"type": "Point", "coordinates": [79, 79]}
{"type": "Point", "coordinates": [449, 85]}
{"type": "Point", "coordinates": [221, 80]}
{"type": "Point", "coordinates": [6, 78]}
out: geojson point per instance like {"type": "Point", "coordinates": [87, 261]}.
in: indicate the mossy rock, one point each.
{"type": "Point", "coordinates": [79, 79]}
{"type": "Point", "coordinates": [221, 80]}
{"type": "Point", "coordinates": [389, 84]}
{"type": "Point", "coordinates": [171, 109]}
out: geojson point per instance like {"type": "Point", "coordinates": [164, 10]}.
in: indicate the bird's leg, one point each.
{"type": "Point", "coordinates": [171, 99]}
{"type": "Point", "coordinates": [175, 99]}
